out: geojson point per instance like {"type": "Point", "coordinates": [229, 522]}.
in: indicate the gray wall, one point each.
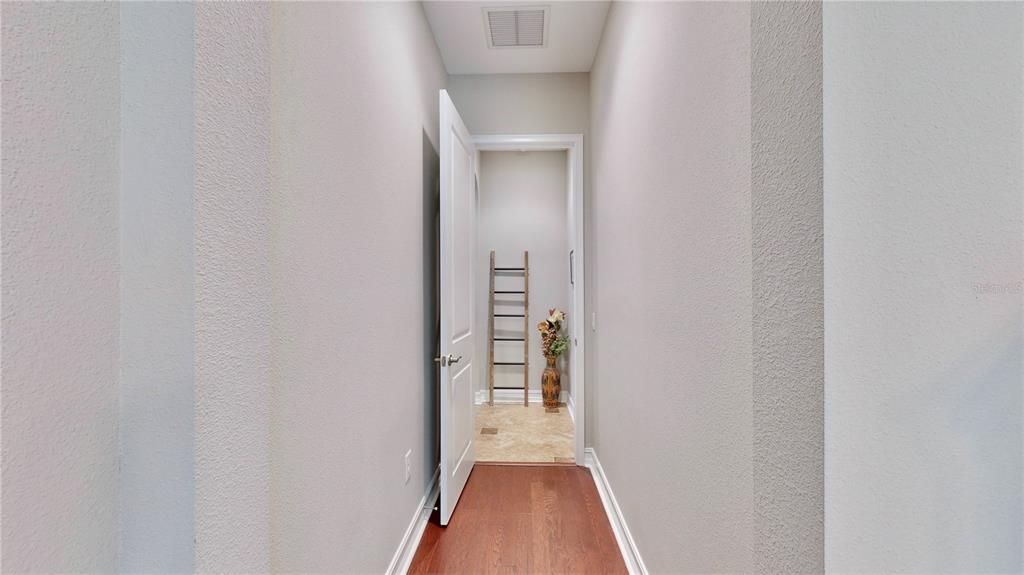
{"type": "Point", "coordinates": [523, 206]}
{"type": "Point", "coordinates": [671, 249]}
{"type": "Point", "coordinates": [157, 483]}
{"type": "Point", "coordinates": [60, 309]}
{"type": "Point", "coordinates": [350, 396]}
{"type": "Point", "coordinates": [232, 287]}
{"type": "Point", "coordinates": [523, 103]}
{"type": "Point", "coordinates": [139, 229]}
{"type": "Point", "coordinates": [707, 265]}
{"type": "Point", "coordinates": [788, 292]}
{"type": "Point", "coordinates": [923, 214]}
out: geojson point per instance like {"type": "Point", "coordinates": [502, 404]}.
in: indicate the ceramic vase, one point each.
{"type": "Point", "coordinates": [551, 384]}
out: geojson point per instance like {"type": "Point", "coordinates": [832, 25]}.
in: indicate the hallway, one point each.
{"type": "Point", "coordinates": [250, 323]}
{"type": "Point", "coordinates": [523, 519]}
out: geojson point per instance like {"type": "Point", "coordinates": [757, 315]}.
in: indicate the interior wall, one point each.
{"type": "Point", "coordinates": [788, 289]}
{"type": "Point", "coordinates": [671, 264]}
{"type": "Point", "coordinates": [522, 206]}
{"type": "Point", "coordinates": [355, 109]}
{"type": "Point", "coordinates": [535, 104]}
{"type": "Point", "coordinates": [923, 214]}
{"type": "Point", "coordinates": [233, 301]}
{"type": "Point", "coordinates": [195, 82]}
{"type": "Point", "coordinates": [60, 297]}
{"type": "Point", "coordinates": [707, 124]}
{"type": "Point", "coordinates": [523, 103]}
{"type": "Point", "coordinates": [157, 483]}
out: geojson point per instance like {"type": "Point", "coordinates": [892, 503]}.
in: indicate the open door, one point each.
{"type": "Point", "coordinates": [458, 248]}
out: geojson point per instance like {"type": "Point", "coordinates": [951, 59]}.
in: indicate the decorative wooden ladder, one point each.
{"type": "Point", "coordinates": [526, 328]}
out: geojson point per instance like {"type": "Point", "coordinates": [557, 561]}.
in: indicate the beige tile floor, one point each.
{"type": "Point", "coordinates": [521, 434]}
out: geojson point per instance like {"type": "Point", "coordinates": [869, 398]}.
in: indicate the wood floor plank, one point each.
{"type": "Point", "coordinates": [523, 520]}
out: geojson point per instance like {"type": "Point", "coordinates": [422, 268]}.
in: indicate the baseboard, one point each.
{"type": "Point", "coordinates": [515, 396]}
{"type": "Point", "coordinates": [630, 554]}
{"type": "Point", "coordinates": [414, 532]}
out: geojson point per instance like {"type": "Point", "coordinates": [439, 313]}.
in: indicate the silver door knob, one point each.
{"type": "Point", "coordinates": [447, 360]}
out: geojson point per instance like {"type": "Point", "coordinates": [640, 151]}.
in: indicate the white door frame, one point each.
{"type": "Point", "coordinates": [573, 146]}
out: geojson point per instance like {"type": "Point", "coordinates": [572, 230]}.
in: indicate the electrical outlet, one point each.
{"type": "Point", "coordinates": [408, 465]}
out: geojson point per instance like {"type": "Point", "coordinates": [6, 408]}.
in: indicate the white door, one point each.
{"type": "Point", "coordinates": [458, 241]}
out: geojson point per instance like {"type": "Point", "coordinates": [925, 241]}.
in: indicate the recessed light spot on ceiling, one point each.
{"type": "Point", "coordinates": [519, 27]}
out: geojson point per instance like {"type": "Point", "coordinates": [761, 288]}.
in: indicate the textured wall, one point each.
{"type": "Point", "coordinates": [672, 279]}
{"type": "Point", "coordinates": [788, 312]}
{"type": "Point", "coordinates": [60, 117]}
{"type": "Point", "coordinates": [157, 301]}
{"type": "Point", "coordinates": [232, 287]}
{"type": "Point", "coordinates": [923, 308]}
{"type": "Point", "coordinates": [355, 88]}
{"type": "Point", "coordinates": [523, 206]}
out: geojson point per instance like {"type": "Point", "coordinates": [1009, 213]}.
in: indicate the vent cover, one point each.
{"type": "Point", "coordinates": [520, 27]}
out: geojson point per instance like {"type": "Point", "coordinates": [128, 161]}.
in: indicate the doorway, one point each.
{"type": "Point", "coordinates": [530, 208]}
{"type": "Point", "coordinates": [458, 333]}
{"type": "Point", "coordinates": [523, 280]}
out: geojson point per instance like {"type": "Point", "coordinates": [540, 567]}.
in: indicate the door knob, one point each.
{"type": "Point", "coordinates": [447, 360]}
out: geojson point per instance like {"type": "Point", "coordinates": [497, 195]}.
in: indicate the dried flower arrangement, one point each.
{"type": "Point", "coordinates": [552, 342]}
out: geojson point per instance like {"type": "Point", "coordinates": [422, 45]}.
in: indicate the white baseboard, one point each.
{"type": "Point", "coordinates": [630, 554]}
{"type": "Point", "coordinates": [402, 559]}
{"type": "Point", "coordinates": [515, 396]}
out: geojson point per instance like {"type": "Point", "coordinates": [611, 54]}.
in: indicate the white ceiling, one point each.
{"type": "Point", "coordinates": [461, 33]}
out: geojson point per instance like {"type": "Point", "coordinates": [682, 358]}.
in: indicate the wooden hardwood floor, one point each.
{"type": "Point", "coordinates": [523, 519]}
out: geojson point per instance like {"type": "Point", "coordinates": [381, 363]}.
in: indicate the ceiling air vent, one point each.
{"type": "Point", "coordinates": [519, 27]}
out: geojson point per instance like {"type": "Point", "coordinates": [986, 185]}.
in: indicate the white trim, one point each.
{"type": "Point", "coordinates": [510, 396]}
{"type": "Point", "coordinates": [402, 559]}
{"type": "Point", "coordinates": [533, 142]}
{"type": "Point", "coordinates": [630, 553]}
{"type": "Point", "coordinates": [569, 405]}
{"type": "Point", "coordinates": [573, 145]}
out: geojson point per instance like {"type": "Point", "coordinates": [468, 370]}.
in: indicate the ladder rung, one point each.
{"type": "Point", "coordinates": [509, 363]}
{"type": "Point", "coordinates": [509, 339]}
{"type": "Point", "coordinates": [509, 315]}
{"type": "Point", "coordinates": [509, 292]}
{"type": "Point", "coordinates": [509, 269]}
{"type": "Point", "coordinates": [506, 387]}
